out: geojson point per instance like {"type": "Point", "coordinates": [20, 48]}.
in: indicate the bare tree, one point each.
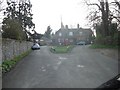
{"type": "Point", "coordinates": [117, 3]}
{"type": "Point", "coordinates": [101, 15]}
{"type": "Point", "coordinates": [1, 9]}
{"type": "Point", "coordinates": [115, 14]}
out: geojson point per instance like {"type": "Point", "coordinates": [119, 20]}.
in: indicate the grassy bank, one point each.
{"type": "Point", "coordinates": [7, 65]}
{"type": "Point", "coordinates": [61, 49]}
{"type": "Point", "coordinates": [97, 46]}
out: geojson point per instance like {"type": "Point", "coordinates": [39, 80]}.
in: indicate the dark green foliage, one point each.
{"type": "Point", "coordinates": [12, 29]}
{"type": "Point", "coordinates": [112, 39]}
{"type": "Point", "coordinates": [20, 13]}
{"type": "Point", "coordinates": [106, 30]}
{"type": "Point", "coordinates": [113, 29]}
{"type": "Point", "coordinates": [37, 35]}
{"type": "Point", "coordinates": [25, 15]}
{"type": "Point", "coordinates": [7, 65]}
{"type": "Point", "coordinates": [48, 32]}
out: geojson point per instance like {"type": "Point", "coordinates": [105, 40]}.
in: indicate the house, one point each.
{"type": "Point", "coordinates": [45, 41]}
{"type": "Point", "coordinates": [67, 36]}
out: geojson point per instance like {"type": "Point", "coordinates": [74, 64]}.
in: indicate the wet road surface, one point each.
{"type": "Point", "coordinates": [81, 68]}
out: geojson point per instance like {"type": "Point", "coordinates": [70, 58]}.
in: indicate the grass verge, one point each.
{"type": "Point", "coordinates": [7, 65]}
{"type": "Point", "coordinates": [61, 49]}
{"type": "Point", "coordinates": [96, 46]}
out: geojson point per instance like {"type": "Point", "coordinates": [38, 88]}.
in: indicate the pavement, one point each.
{"type": "Point", "coordinates": [81, 68]}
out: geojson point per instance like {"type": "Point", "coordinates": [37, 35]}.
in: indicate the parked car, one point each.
{"type": "Point", "coordinates": [35, 46]}
{"type": "Point", "coordinates": [81, 43]}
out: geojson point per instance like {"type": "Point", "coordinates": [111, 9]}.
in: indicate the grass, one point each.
{"type": "Point", "coordinates": [7, 65]}
{"type": "Point", "coordinates": [97, 46]}
{"type": "Point", "coordinates": [61, 49]}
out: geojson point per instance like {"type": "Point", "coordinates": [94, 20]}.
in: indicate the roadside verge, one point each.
{"type": "Point", "coordinates": [107, 50]}
{"type": "Point", "coordinates": [7, 65]}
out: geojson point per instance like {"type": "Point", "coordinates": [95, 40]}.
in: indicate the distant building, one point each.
{"type": "Point", "coordinates": [66, 35]}
{"type": "Point", "coordinates": [45, 41]}
{"type": "Point", "coordinates": [36, 37]}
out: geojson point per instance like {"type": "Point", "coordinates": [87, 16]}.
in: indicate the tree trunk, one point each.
{"type": "Point", "coordinates": [105, 16]}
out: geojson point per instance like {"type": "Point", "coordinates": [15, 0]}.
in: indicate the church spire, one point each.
{"type": "Point", "coordinates": [62, 26]}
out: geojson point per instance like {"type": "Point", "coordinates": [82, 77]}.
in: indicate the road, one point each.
{"type": "Point", "coordinates": [81, 68]}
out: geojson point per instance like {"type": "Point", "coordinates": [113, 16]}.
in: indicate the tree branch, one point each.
{"type": "Point", "coordinates": [117, 18]}
{"type": "Point", "coordinates": [117, 3]}
{"type": "Point", "coordinates": [95, 4]}
{"type": "Point", "coordinates": [117, 10]}
{"type": "Point", "coordinates": [1, 1]}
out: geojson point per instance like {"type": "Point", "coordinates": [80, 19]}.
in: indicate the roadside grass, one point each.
{"type": "Point", "coordinates": [7, 65]}
{"type": "Point", "coordinates": [61, 49]}
{"type": "Point", "coordinates": [98, 46]}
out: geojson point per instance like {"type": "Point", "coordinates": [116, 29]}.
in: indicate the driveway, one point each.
{"type": "Point", "coordinates": [81, 68]}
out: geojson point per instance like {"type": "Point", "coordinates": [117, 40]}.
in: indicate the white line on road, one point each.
{"type": "Point", "coordinates": [80, 66]}
{"type": "Point", "coordinates": [55, 67]}
{"type": "Point", "coordinates": [59, 62]}
{"type": "Point", "coordinates": [42, 67]}
{"type": "Point", "coordinates": [44, 70]}
{"type": "Point", "coordinates": [62, 58]}
{"type": "Point", "coordinates": [48, 65]}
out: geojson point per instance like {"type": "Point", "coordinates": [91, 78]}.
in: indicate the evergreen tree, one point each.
{"type": "Point", "coordinates": [48, 32]}
{"type": "Point", "coordinates": [22, 13]}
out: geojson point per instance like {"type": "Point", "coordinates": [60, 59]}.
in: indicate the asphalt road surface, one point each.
{"type": "Point", "coordinates": [81, 68]}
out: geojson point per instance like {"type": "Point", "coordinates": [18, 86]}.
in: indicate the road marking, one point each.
{"type": "Point", "coordinates": [80, 66]}
{"type": "Point", "coordinates": [48, 65]}
{"type": "Point", "coordinates": [42, 67]}
{"type": "Point", "coordinates": [44, 70]}
{"type": "Point", "coordinates": [62, 58]}
{"type": "Point", "coordinates": [59, 62]}
{"type": "Point", "coordinates": [55, 67]}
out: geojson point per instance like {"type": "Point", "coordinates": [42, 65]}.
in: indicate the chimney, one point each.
{"type": "Point", "coordinates": [66, 26]}
{"type": "Point", "coordinates": [78, 26]}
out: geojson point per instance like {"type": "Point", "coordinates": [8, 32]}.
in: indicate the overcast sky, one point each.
{"type": "Point", "coordinates": [50, 12]}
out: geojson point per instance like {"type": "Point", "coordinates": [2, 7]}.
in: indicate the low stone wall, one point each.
{"type": "Point", "coordinates": [0, 61]}
{"type": "Point", "coordinates": [12, 48]}
{"type": "Point", "coordinates": [0, 50]}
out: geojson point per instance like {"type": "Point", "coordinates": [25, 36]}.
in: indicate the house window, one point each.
{"type": "Point", "coordinates": [80, 33]}
{"type": "Point", "coordinates": [60, 34]}
{"type": "Point", "coordinates": [70, 33]}
{"type": "Point", "coordinates": [71, 40]}
{"type": "Point", "coordinates": [59, 40]}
